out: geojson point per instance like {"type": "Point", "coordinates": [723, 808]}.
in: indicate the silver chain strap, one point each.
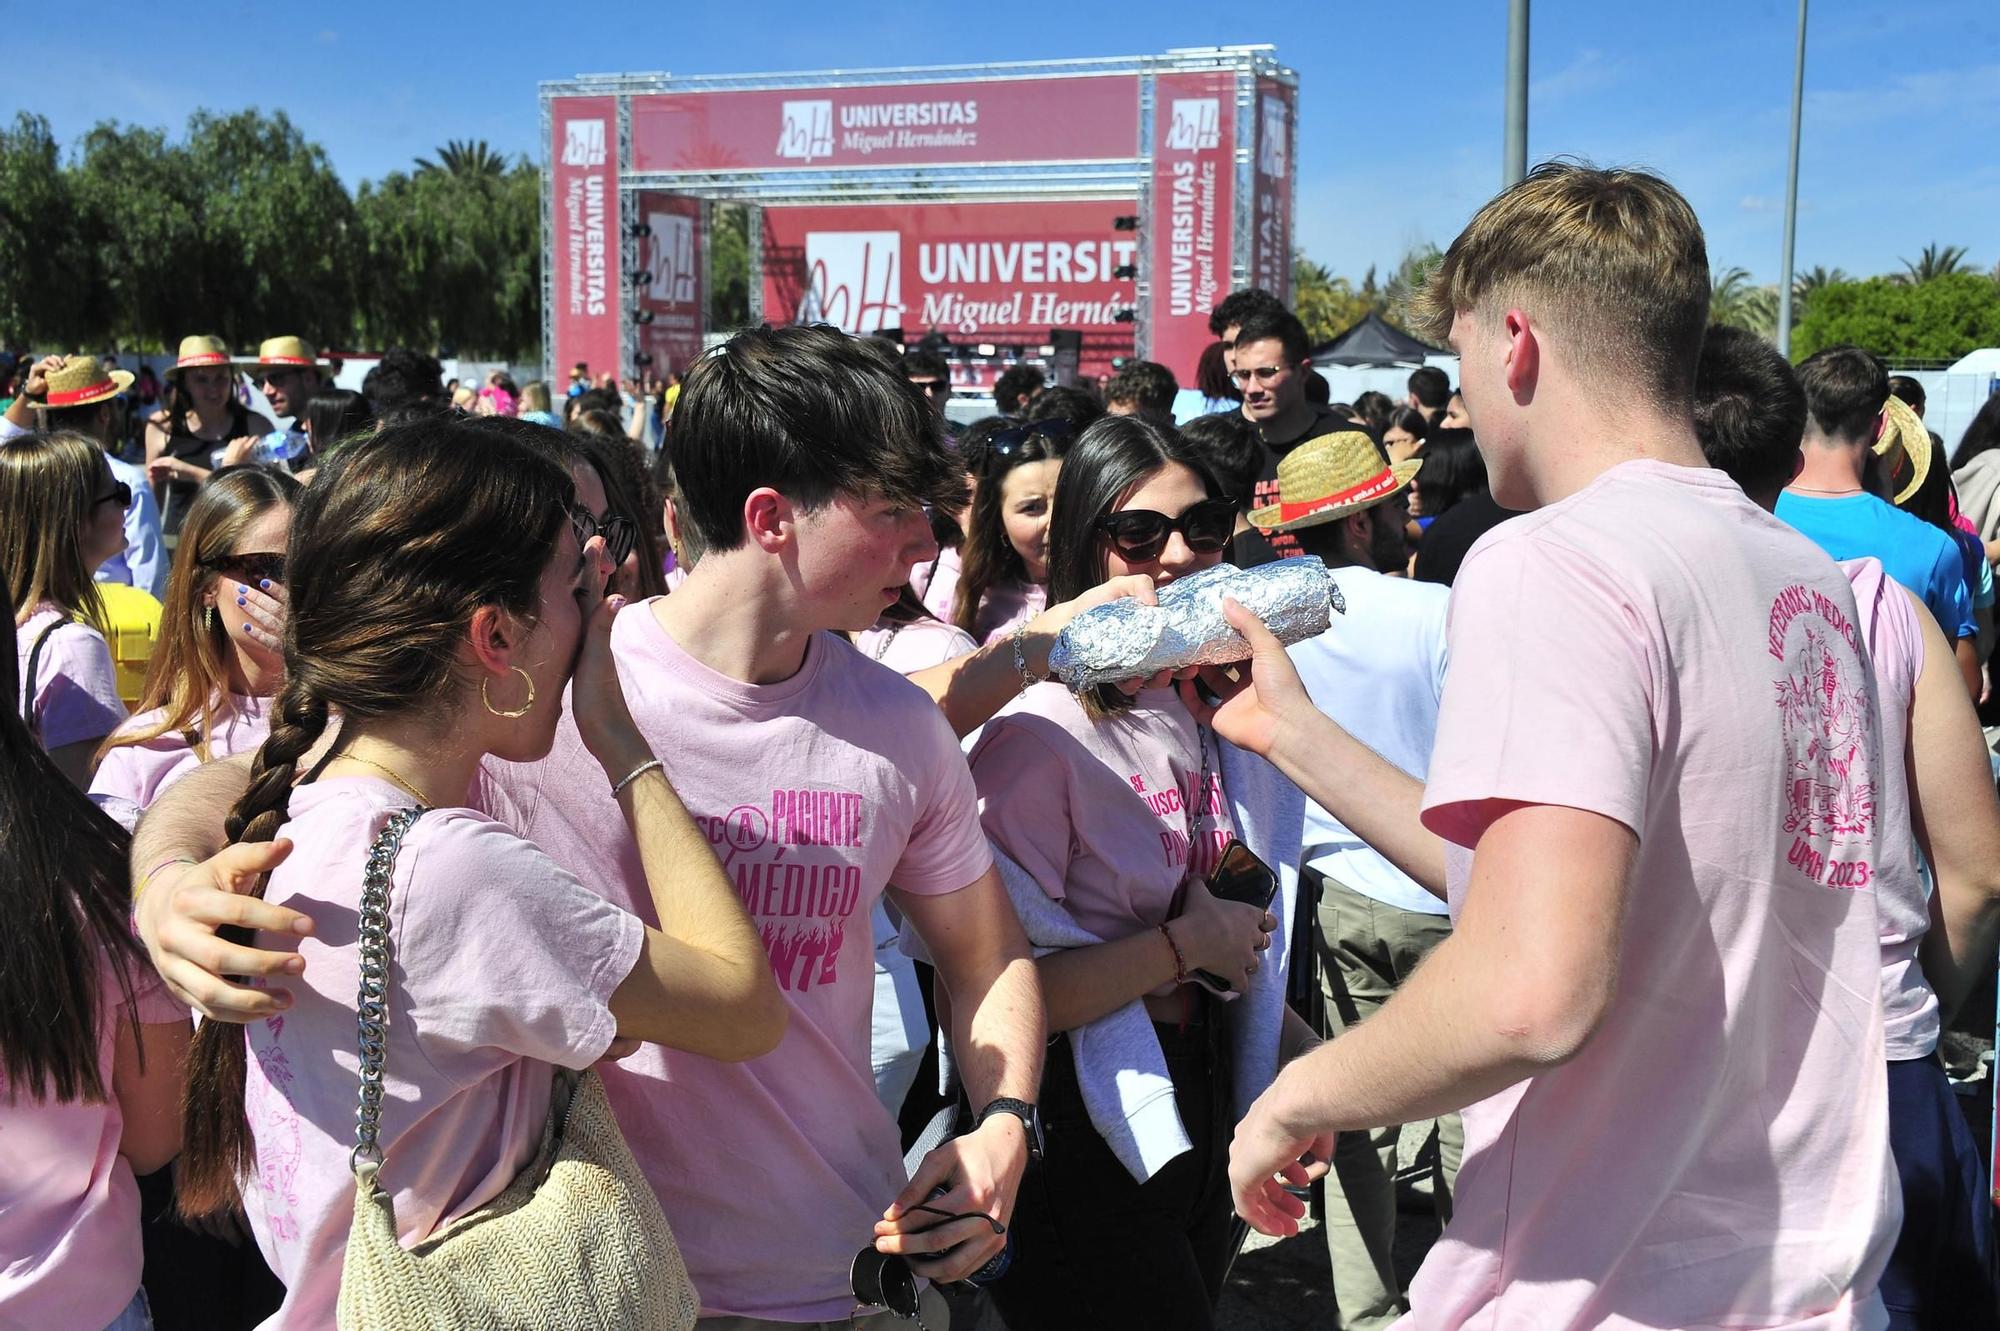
{"type": "Point", "coordinates": [372, 1004]}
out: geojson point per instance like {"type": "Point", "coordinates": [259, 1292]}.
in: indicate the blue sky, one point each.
{"type": "Point", "coordinates": [1401, 104]}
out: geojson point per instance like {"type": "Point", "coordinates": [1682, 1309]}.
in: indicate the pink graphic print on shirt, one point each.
{"type": "Point", "coordinates": [274, 1125]}
{"type": "Point", "coordinates": [1823, 700]}
{"type": "Point", "coordinates": [1170, 807]}
{"type": "Point", "coordinates": [796, 863]}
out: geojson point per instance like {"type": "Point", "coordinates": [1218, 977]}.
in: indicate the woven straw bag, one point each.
{"type": "Point", "coordinates": [575, 1243]}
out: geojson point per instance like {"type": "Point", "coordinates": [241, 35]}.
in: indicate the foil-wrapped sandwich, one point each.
{"type": "Point", "coordinates": [1296, 599]}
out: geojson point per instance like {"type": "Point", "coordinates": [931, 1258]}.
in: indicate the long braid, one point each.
{"type": "Point", "coordinates": [216, 1143]}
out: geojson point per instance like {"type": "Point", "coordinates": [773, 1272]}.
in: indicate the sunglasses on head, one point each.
{"type": "Point", "coordinates": [1140, 534]}
{"type": "Point", "coordinates": [935, 387]}
{"type": "Point", "coordinates": [250, 567]}
{"type": "Point", "coordinates": [119, 494]}
{"type": "Point", "coordinates": [1004, 445]}
{"type": "Point", "coordinates": [619, 534]}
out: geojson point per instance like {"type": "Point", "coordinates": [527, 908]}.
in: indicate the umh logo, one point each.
{"type": "Point", "coordinates": [808, 131]}
{"type": "Point", "coordinates": [673, 258]}
{"type": "Point", "coordinates": [583, 143]}
{"type": "Point", "coordinates": [854, 280]}
{"type": "Point", "coordinates": [1197, 124]}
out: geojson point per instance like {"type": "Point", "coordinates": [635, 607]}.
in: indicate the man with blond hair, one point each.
{"type": "Point", "coordinates": [1652, 802]}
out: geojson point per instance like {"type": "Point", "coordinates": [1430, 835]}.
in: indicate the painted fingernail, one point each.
{"type": "Point", "coordinates": [265, 583]}
{"type": "Point", "coordinates": [241, 603]}
{"type": "Point", "coordinates": [241, 590]}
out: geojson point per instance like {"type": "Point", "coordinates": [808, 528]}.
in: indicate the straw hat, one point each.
{"type": "Point", "coordinates": [283, 351]}
{"type": "Point", "coordinates": [199, 349]}
{"type": "Point", "coordinates": [1903, 434]}
{"type": "Point", "coordinates": [1325, 479]}
{"type": "Point", "coordinates": [83, 380]}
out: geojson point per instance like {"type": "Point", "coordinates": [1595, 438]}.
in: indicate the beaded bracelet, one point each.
{"type": "Point", "coordinates": [1180, 962]}
{"type": "Point", "coordinates": [633, 775]}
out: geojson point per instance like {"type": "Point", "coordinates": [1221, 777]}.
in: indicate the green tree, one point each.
{"type": "Point", "coordinates": [1738, 303]}
{"type": "Point", "coordinates": [1939, 319]}
{"type": "Point", "coordinates": [1327, 305]}
{"type": "Point", "coordinates": [1936, 261]}
{"type": "Point", "coordinates": [1409, 278]}
{"type": "Point", "coordinates": [729, 265]}
{"type": "Point", "coordinates": [1811, 281]}
{"type": "Point", "coordinates": [452, 261]}
{"type": "Point", "coordinates": [43, 263]}
{"type": "Point", "coordinates": [466, 157]}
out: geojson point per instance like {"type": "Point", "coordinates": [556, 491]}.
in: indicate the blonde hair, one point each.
{"type": "Point", "coordinates": [49, 485]}
{"type": "Point", "coordinates": [1611, 262]}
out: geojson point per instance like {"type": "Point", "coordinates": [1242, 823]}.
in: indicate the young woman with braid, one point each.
{"type": "Point", "coordinates": [90, 1052]}
{"type": "Point", "coordinates": [440, 600]}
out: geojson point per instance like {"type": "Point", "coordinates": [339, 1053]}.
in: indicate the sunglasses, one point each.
{"type": "Point", "coordinates": [250, 567]}
{"type": "Point", "coordinates": [119, 494]}
{"type": "Point", "coordinates": [1004, 445]}
{"type": "Point", "coordinates": [884, 1280]}
{"type": "Point", "coordinates": [1141, 535]}
{"type": "Point", "coordinates": [935, 387]}
{"type": "Point", "coordinates": [620, 535]}
{"type": "Point", "coordinates": [1263, 374]}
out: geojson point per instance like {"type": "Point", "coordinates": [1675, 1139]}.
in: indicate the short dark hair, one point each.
{"type": "Point", "coordinates": [1076, 405]}
{"type": "Point", "coordinates": [1211, 375]}
{"type": "Point", "coordinates": [1453, 470]}
{"type": "Point", "coordinates": [1749, 410]}
{"type": "Point", "coordinates": [1146, 384]}
{"type": "Point", "coordinates": [1237, 306]}
{"type": "Point", "coordinates": [1431, 385]}
{"type": "Point", "coordinates": [83, 419]}
{"type": "Point", "coordinates": [1376, 408]}
{"type": "Point", "coordinates": [922, 361]}
{"type": "Point", "coordinates": [334, 415]}
{"type": "Point", "coordinates": [1015, 386]}
{"type": "Point", "coordinates": [1845, 389]}
{"type": "Point", "coordinates": [1410, 421]}
{"type": "Point", "coordinates": [1276, 322]}
{"type": "Point", "coordinates": [404, 379]}
{"type": "Point", "coordinates": [1229, 443]}
{"type": "Point", "coordinates": [812, 413]}
{"type": "Point", "coordinates": [1909, 390]}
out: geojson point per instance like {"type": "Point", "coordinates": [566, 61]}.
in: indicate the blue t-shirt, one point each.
{"type": "Point", "coordinates": [1912, 551]}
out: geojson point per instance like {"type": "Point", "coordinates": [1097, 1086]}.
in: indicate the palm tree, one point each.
{"type": "Point", "coordinates": [1408, 279]}
{"type": "Point", "coordinates": [1811, 281]}
{"type": "Point", "coordinates": [466, 157]}
{"type": "Point", "coordinates": [1734, 301]}
{"type": "Point", "coordinates": [1937, 261]}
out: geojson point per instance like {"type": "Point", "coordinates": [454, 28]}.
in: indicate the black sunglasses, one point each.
{"type": "Point", "coordinates": [619, 533]}
{"type": "Point", "coordinates": [1003, 445]}
{"type": "Point", "coordinates": [251, 567]}
{"type": "Point", "coordinates": [1141, 534]}
{"type": "Point", "coordinates": [120, 494]}
{"type": "Point", "coordinates": [884, 1280]}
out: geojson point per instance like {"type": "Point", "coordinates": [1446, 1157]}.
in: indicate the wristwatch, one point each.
{"type": "Point", "coordinates": [1031, 1118]}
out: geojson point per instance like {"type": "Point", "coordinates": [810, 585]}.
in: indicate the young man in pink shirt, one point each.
{"type": "Point", "coordinates": [1652, 800]}
{"type": "Point", "coordinates": [803, 464]}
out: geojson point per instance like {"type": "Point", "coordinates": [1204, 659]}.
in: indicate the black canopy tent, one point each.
{"type": "Point", "coordinates": [1373, 341]}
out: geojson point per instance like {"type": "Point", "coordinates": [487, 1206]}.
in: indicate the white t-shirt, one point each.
{"type": "Point", "coordinates": [1379, 672]}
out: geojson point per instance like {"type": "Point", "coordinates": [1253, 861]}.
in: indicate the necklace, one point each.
{"type": "Point", "coordinates": [392, 774]}
{"type": "Point", "coordinates": [1813, 490]}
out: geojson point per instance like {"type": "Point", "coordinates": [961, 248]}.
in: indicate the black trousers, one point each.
{"type": "Point", "coordinates": [1095, 1248]}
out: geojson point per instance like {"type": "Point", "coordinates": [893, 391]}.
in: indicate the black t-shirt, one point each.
{"type": "Point", "coordinates": [1451, 537]}
{"type": "Point", "coordinates": [1275, 447]}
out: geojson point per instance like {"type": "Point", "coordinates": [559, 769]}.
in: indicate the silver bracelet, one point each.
{"type": "Point", "coordinates": [635, 774]}
{"type": "Point", "coordinates": [1028, 678]}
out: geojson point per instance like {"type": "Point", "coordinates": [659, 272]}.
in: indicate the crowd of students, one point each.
{"type": "Point", "coordinates": [600, 864]}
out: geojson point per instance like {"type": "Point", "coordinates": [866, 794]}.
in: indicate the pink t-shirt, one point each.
{"type": "Point", "coordinates": [919, 645]}
{"type": "Point", "coordinates": [1005, 605]}
{"type": "Point", "coordinates": [76, 683]}
{"type": "Point", "coordinates": [1097, 812]}
{"type": "Point", "coordinates": [816, 793]}
{"type": "Point", "coordinates": [69, 1209]}
{"type": "Point", "coordinates": [132, 776]}
{"type": "Point", "coordinates": [503, 965]}
{"type": "Point", "coordinates": [1895, 639]}
{"type": "Point", "coordinates": [1658, 650]}
{"type": "Point", "coordinates": [936, 582]}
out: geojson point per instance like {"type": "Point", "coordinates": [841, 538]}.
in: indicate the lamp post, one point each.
{"type": "Point", "coordinates": [1792, 194]}
{"type": "Point", "coordinates": [1515, 165]}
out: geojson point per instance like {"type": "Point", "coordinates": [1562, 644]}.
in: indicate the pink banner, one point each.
{"type": "Point", "coordinates": [905, 124]}
{"type": "Point", "coordinates": [980, 273]}
{"type": "Point", "coordinates": [1194, 134]}
{"type": "Point", "coordinates": [670, 255]}
{"type": "Point", "coordinates": [1271, 176]}
{"type": "Point", "coordinates": [584, 154]}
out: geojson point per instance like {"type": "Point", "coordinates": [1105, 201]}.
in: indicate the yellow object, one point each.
{"type": "Point", "coordinates": [134, 628]}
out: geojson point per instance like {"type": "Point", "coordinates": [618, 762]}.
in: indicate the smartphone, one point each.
{"type": "Point", "coordinates": [1239, 876]}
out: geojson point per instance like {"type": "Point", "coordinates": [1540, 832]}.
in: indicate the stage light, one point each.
{"type": "Point", "coordinates": [1126, 272]}
{"type": "Point", "coordinates": [642, 316]}
{"type": "Point", "coordinates": [1127, 222]}
{"type": "Point", "coordinates": [1125, 317]}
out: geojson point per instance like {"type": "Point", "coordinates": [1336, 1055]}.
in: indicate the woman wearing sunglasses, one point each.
{"type": "Point", "coordinates": [1114, 807]}
{"type": "Point", "coordinates": [1004, 564]}
{"type": "Point", "coordinates": [62, 515]}
{"type": "Point", "coordinates": [218, 659]}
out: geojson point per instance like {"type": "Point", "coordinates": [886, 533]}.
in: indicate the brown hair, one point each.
{"type": "Point", "coordinates": [399, 539]}
{"type": "Point", "coordinates": [1612, 262]}
{"type": "Point", "coordinates": [187, 677]}
{"type": "Point", "coordinates": [49, 484]}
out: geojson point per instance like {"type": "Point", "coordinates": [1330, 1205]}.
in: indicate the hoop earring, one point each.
{"type": "Point", "coordinates": [520, 711]}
